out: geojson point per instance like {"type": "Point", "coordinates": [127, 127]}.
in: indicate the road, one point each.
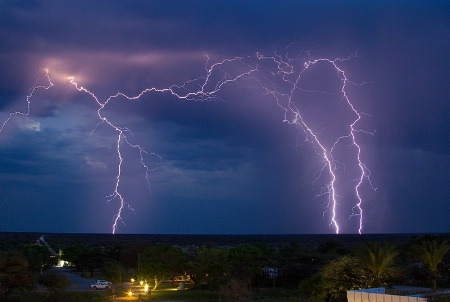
{"type": "Point", "coordinates": [82, 284]}
{"type": "Point", "coordinates": [77, 282]}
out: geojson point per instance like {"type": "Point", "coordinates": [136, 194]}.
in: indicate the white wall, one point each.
{"type": "Point", "coordinates": [377, 295]}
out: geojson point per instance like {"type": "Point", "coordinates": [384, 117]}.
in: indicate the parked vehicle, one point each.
{"type": "Point", "coordinates": [101, 284]}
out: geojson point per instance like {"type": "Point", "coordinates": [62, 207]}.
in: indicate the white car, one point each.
{"type": "Point", "coordinates": [101, 284]}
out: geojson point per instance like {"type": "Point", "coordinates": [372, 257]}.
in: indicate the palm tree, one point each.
{"type": "Point", "coordinates": [432, 252]}
{"type": "Point", "coordinates": [377, 259]}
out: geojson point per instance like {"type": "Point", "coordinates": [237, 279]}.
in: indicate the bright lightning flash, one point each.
{"type": "Point", "coordinates": [276, 76]}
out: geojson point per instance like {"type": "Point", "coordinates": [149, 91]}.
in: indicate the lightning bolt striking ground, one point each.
{"type": "Point", "coordinates": [277, 76]}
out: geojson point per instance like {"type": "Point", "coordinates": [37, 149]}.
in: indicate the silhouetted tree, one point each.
{"type": "Point", "coordinates": [92, 259]}
{"type": "Point", "coordinates": [162, 262]}
{"type": "Point", "coordinates": [342, 274]}
{"type": "Point", "coordinates": [247, 262]}
{"type": "Point", "coordinates": [113, 270]}
{"type": "Point", "coordinates": [14, 274]}
{"type": "Point", "coordinates": [39, 258]}
{"type": "Point", "coordinates": [211, 266]}
{"type": "Point", "coordinates": [73, 254]}
{"type": "Point", "coordinates": [54, 281]}
{"type": "Point", "coordinates": [377, 259]}
{"type": "Point", "coordinates": [431, 252]}
{"type": "Point", "coordinates": [234, 290]}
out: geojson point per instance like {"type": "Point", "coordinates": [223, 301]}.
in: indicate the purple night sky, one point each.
{"type": "Point", "coordinates": [227, 165]}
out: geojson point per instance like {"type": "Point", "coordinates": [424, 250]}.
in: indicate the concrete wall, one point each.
{"type": "Point", "coordinates": [378, 295]}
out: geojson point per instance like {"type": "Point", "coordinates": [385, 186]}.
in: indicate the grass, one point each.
{"type": "Point", "coordinates": [63, 296]}
{"type": "Point", "coordinates": [265, 294]}
{"type": "Point", "coordinates": [208, 296]}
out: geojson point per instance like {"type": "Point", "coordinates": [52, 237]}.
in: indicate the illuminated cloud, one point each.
{"type": "Point", "coordinates": [254, 172]}
{"type": "Point", "coordinates": [95, 164]}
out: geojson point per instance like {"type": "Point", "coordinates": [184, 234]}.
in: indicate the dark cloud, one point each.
{"type": "Point", "coordinates": [228, 165]}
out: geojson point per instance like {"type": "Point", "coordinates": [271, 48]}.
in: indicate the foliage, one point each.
{"type": "Point", "coordinates": [211, 267]}
{"type": "Point", "coordinates": [333, 246]}
{"type": "Point", "coordinates": [234, 290]}
{"type": "Point", "coordinates": [431, 252]}
{"type": "Point", "coordinates": [73, 254]}
{"type": "Point", "coordinates": [445, 297]}
{"type": "Point", "coordinates": [342, 274]}
{"type": "Point", "coordinates": [247, 262]}
{"type": "Point", "coordinates": [85, 258]}
{"type": "Point", "coordinates": [113, 271]}
{"type": "Point", "coordinates": [377, 259]}
{"type": "Point", "coordinates": [162, 262]}
{"type": "Point", "coordinates": [313, 288]}
{"type": "Point", "coordinates": [39, 258]}
{"type": "Point", "coordinates": [14, 274]}
{"type": "Point", "coordinates": [92, 259]}
{"type": "Point", "coordinates": [54, 281]}
{"type": "Point", "coordinates": [68, 296]}
{"type": "Point", "coordinates": [296, 263]}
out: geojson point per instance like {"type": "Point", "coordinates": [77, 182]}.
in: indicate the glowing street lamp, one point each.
{"type": "Point", "coordinates": [146, 288]}
{"type": "Point", "coordinates": [141, 283]}
{"type": "Point", "coordinates": [129, 293]}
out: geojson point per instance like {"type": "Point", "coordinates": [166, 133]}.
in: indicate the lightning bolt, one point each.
{"type": "Point", "coordinates": [265, 73]}
{"type": "Point", "coordinates": [28, 100]}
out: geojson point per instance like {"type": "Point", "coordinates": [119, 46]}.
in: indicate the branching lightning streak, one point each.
{"type": "Point", "coordinates": [286, 67]}
{"type": "Point", "coordinates": [257, 69]}
{"type": "Point", "coordinates": [29, 96]}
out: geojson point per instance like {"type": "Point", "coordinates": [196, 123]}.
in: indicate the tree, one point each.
{"type": "Point", "coordinates": [234, 290]}
{"type": "Point", "coordinates": [343, 274]}
{"type": "Point", "coordinates": [73, 254]}
{"type": "Point", "coordinates": [432, 252]}
{"type": "Point", "coordinates": [211, 267]}
{"type": "Point", "coordinates": [39, 258]}
{"type": "Point", "coordinates": [313, 288]}
{"type": "Point", "coordinates": [377, 259]}
{"type": "Point", "coordinates": [162, 262]}
{"type": "Point", "coordinates": [54, 281]}
{"type": "Point", "coordinates": [92, 259]}
{"type": "Point", "coordinates": [297, 262]}
{"type": "Point", "coordinates": [113, 270]}
{"type": "Point", "coordinates": [14, 274]}
{"type": "Point", "coordinates": [247, 262]}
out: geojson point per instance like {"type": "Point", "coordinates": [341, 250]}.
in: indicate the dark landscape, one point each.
{"type": "Point", "coordinates": [61, 240]}
{"type": "Point", "coordinates": [302, 267]}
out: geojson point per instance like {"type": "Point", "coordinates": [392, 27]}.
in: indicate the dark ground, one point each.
{"type": "Point", "coordinates": [10, 240]}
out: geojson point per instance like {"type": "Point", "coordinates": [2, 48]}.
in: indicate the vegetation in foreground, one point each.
{"type": "Point", "coordinates": [244, 272]}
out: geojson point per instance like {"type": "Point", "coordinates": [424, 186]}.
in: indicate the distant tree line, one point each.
{"type": "Point", "coordinates": [321, 272]}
